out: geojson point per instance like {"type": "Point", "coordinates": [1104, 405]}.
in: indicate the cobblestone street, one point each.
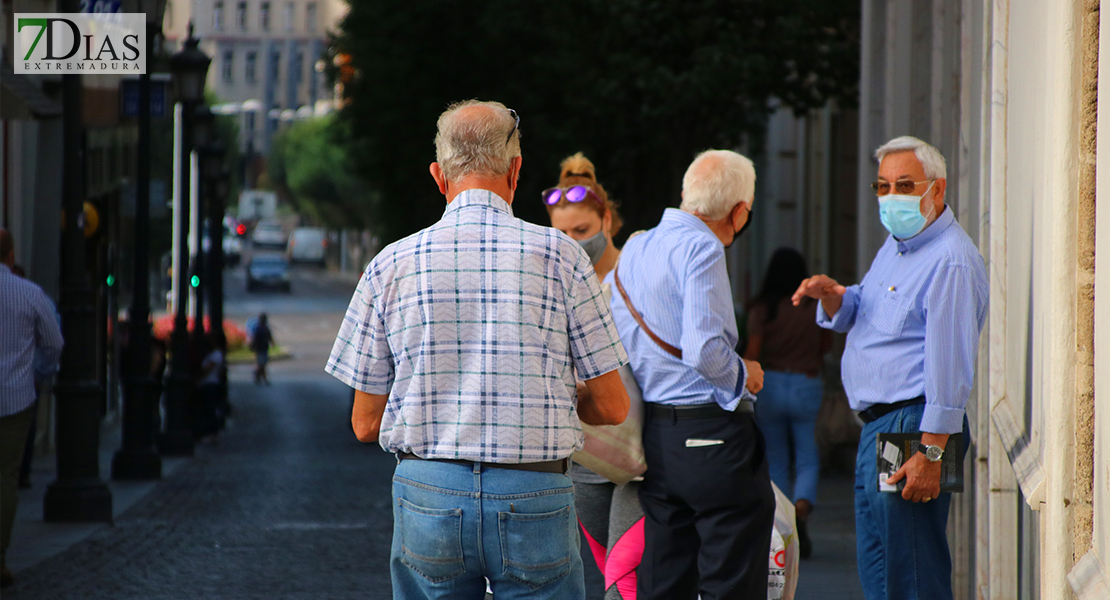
{"type": "Point", "coordinates": [289, 505]}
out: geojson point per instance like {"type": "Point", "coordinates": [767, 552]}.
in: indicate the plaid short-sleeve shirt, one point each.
{"type": "Point", "coordinates": [475, 327]}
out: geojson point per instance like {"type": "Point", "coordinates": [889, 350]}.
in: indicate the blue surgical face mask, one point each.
{"type": "Point", "coordinates": [901, 214]}
{"type": "Point", "coordinates": [595, 246]}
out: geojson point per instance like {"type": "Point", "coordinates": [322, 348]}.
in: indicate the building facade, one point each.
{"type": "Point", "coordinates": [266, 58]}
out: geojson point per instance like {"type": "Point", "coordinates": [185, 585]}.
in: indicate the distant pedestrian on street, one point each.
{"type": "Point", "coordinates": [27, 324]}
{"type": "Point", "coordinates": [462, 342]}
{"type": "Point", "coordinates": [706, 496]}
{"type": "Point", "coordinates": [913, 328]}
{"type": "Point", "coordinates": [261, 341]}
{"type": "Point", "coordinates": [791, 348]}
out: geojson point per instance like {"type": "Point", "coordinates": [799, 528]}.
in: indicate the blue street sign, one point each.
{"type": "Point", "coordinates": [129, 98]}
{"type": "Point", "coordinates": [100, 6]}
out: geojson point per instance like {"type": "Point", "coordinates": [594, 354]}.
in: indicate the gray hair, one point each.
{"type": "Point", "coordinates": [716, 182]}
{"type": "Point", "coordinates": [932, 161]}
{"type": "Point", "coordinates": [472, 142]}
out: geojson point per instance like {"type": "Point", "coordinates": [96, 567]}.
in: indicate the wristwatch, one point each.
{"type": "Point", "coordinates": [932, 453]}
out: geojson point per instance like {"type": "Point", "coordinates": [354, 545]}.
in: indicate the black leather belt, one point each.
{"type": "Point", "coordinates": [878, 411]}
{"type": "Point", "coordinates": [550, 466]}
{"type": "Point", "coordinates": [695, 411]}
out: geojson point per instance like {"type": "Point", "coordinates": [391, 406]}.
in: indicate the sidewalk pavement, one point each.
{"type": "Point", "coordinates": [830, 574]}
{"type": "Point", "coordinates": [34, 540]}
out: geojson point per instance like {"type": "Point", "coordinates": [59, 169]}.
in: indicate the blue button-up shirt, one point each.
{"type": "Point", "coordinates": [29, 332]}
{"type": "Point", "coordinates": [676, 277]}
{"type": "Point", "coordinates": [913, 324]}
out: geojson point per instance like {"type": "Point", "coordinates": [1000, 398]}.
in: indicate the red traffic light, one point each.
{"type": "Point", "coordinates": [241, 229]}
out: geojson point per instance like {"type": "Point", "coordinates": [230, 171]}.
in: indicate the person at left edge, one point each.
{"type": "Point", "coordinates": [462, 342]}
{"type": "Point", "coordinates": [27, 325]}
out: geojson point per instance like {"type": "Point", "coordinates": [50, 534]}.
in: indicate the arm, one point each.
{"type": "Point", "coordinates": [605, 401]}
{"type": "Point", "coordinates": [952, 326]}
{"type": "Point", "coordinates": [366, 416]}
{"type": "Point", "coordinates": [707, 322]}
{"type": "Point", "coordinates": [48, 334]}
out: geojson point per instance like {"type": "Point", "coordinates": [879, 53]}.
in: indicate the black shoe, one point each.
{"type": "Point", "coordinates": [805, 545]}
{"type": "Point", "coordinates": [6, 578]}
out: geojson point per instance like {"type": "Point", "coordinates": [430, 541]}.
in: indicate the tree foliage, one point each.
{"type": "Point", "coordinates": [640, 86]}
{"type": "Point", "coordinates": [308, 164]}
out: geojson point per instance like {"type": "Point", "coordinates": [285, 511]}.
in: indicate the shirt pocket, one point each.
{"type": "Point", "coordinates": [889, 313]}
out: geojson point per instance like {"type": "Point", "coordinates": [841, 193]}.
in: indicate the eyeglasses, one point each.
{"type": "Point", "coordinates": [577, 193]}
{"type": "Point", "coordinates": [516, 117]}
{"type": "Point", "coordinates": [902, 186]}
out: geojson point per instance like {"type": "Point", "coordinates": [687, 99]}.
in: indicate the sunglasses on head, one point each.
{"type": "Point", "coordinates": [577, 193]}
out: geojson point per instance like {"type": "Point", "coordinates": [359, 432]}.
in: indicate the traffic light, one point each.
{"type": "Point", "coordinates": [110, 280]}
{"type": "Point", "coordinates": [241, 229]}
{"type": "Point", "coordinates": [194, 281]}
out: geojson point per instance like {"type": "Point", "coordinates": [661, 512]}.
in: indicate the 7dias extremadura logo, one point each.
{"type": "Point", "coordinates": [76, 43]}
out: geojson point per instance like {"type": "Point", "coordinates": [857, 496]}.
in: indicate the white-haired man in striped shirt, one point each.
{"type": "Point", "coordinates": [27, 324]}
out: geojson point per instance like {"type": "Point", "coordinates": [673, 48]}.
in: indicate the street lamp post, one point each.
{"type": "Point", "coordinates": [137, 458]}
{"type": "Point", "coordinates": [217, 182]}
{"type": "Point", "coordinates": [190, 68]}
{"type": "Point", "coordinates": [78, 494]}
{"type": "Point", "coordinates": [203, 128]}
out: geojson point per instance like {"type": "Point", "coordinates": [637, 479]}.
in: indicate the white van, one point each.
{"type": "Point", "coordinates": [308, 244]}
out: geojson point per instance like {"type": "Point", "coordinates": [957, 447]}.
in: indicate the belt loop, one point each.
{"type": "Point", "coordinates": [477, 468]}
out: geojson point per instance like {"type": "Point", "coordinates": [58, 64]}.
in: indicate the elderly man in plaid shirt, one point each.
{"type": "Point", "coordinates": [462, 342]}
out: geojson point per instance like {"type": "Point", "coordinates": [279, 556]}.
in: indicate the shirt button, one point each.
{"type": "Point", "coordinates": [899, 254]}
{"type": "Point", "coordinates": [892, 288]}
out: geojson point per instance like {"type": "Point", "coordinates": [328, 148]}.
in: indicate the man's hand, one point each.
{"type": "Point", "coordinates": [823, 288]}
{"type": "Point", "coordinates": [755, 376]}
{"type": "Point", "coordinates": [922, 476]}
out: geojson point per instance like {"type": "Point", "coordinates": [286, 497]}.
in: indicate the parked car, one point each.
{"type": "Point", "coordinates": [268, 233]}
{"type": "Point", "coordinates": [308, 244]}
{"type": "Point", "coordinates": [233, 247]}
{"type": "Point", "coordinates": [268, 270]}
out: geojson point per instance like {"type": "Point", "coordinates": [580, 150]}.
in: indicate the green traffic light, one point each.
{"type": "Point", "coordinates": [195, 281]}
{"type": "Point", "coordinates": [111, 280]}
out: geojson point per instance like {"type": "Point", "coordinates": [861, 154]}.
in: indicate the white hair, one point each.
{"type": "Point", "coordinates": [932, 161]}
{"type": "Point", "coordinates": [716, 182]}
{"type": "Point", "coordinates": [473, 141]}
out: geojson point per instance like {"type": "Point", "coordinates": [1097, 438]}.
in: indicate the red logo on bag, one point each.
{"type": "Point", "coordinates": [780, 558]}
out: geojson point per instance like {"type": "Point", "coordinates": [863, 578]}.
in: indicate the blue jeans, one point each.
{"type": "Point", "coordinates": [787, 409]}
{"type": "Point", "coordinates": [454, 526]}
{"type": "Point", "coordinates": [901, 546]}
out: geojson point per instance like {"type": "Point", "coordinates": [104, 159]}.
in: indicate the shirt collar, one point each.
{"type": "Point", "coordinates": [929, 234]}
{"type": "Point", "coordinates": [681, 219]}
{"type": "Point", "coordinates": [477, 197]}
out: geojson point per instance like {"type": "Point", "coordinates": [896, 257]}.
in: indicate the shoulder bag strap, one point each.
{"type": "Point", "coordinates": [675, 352]}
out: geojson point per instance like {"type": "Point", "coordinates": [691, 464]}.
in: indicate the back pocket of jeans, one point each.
{"type": "Point", "coordinates": [536, 548]}
{"type": "Point", "coordinates": [431, 540]}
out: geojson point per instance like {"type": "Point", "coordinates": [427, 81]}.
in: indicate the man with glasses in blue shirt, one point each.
{"type": "Point", "coordinates": [913, 327]}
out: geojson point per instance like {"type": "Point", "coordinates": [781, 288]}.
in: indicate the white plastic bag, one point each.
{"type": "Point", "coordinates": [782, 575]}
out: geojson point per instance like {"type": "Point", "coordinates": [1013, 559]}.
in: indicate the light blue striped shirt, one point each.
{"type": "Point", "coordinates": [27, 324]}
{"type": "Point", "coordinates": [913, 324]}
{"type": "Point", "coordinates": [676, 277]}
